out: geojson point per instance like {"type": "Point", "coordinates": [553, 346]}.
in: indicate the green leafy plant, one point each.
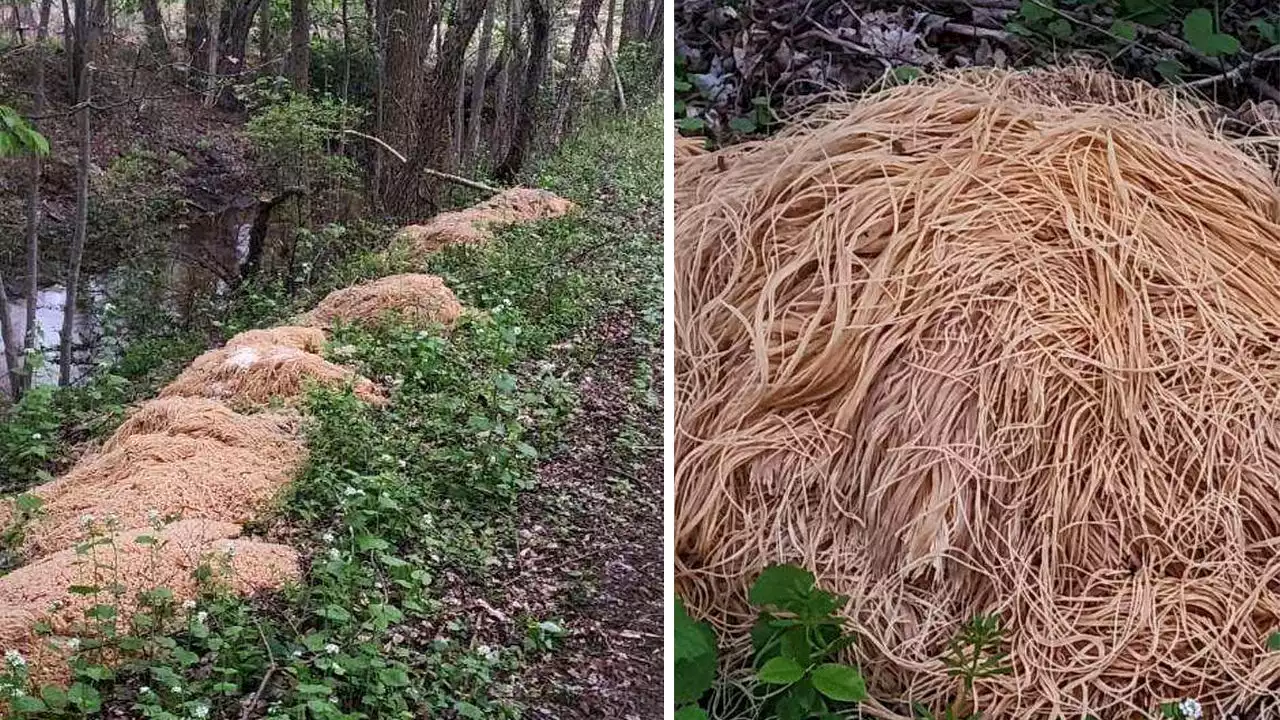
{"type": "Point", "coordinates": [17, 137]}
{"type": "Point", "coordinates": [795, 639]}
{"type": "Point", "coordinates": [976, 652]}
{"type": "Point", "coordinates": [695, 661]}
{"type": "Point", "coordinates": [1198, 28]}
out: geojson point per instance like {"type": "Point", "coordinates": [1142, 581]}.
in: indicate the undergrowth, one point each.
{"type": "Point", "coordinates": [398, 502]}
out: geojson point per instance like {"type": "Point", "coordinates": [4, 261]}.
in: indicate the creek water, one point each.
{"type": "Point", "coordinates": [219, 239]}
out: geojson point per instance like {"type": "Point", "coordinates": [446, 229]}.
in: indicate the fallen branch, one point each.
{"type": "Point", "coordinates": [456, 179]}
{"type": "Point", "coordinates": [1237, 73]}
{"type": "Point", "coordinates": [942, 23]}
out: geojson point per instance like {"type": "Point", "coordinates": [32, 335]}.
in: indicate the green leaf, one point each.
{"type": "Point", "coordinates": [368, 542]}
{"type": "Point", "coordinates": [29, 704]}
{"type": "Point", "coordinates": [1146, 12]}
{"type": "Point", "coordinates": [839, 682]}
{"type": "Point", "coordinates": [1124, 30]}
{"type": "Point", "coordinates": [691, 712]}
{"type": "Point", "coordinates": [782, 586]}
{"type": "Point", "coordinates": [1060, 28]}
{"type": "Point", "coordinates": [1170, 69]}
{"type": "Point", "coordinates": [744, 124]}
{"type": "Point", "coordinates": [905, 73]}
{"type": "Point", "coordinates": [1268, 31]}
{"type": "Point", "coordinates": [780, 671]}
{"type": "Point", "coordinates": [1273, 641]}
{"type": "Point", "coordinates": [54, 696]}
{"type": "Point", "coordinates": [690, 640]}
{"type": "Point", "coordinates": [84, 697]}
{"type": "Point", "coordinates": [691, 124]}
{"type": "Point", "coordinates": [1197, 29]}
{"type": "Point", "coordinates": [467, 710]}
{"type": "Point", "coordinates": [1037, 11]}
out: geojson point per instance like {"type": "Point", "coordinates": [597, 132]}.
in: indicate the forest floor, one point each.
{"type": "Point", "coordinates": [744, 69]}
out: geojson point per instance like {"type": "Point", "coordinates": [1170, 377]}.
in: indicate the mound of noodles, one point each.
{"type": "Point", "coordinates": [420, 300]}
{"type": "Point", "coordinates": [1001, 342]}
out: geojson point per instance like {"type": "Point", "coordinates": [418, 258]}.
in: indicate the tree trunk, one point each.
{"type": "Point", "coordinates": [478, 84]}
{"type": "Point", "coordinates": [197, 22]}
{"type": "Point", "coordinates": [82, 205]}
{"type": "Point", "coordinates": [606, 79]}
{"type": "Point", "coordinates": [233, 36]}
{"type": "Point", "coordinates": [157, 43]}
{"type": "Point", "coordinates": [526, 116]}
{"type": "Point", "coordinates": [434, 141]}
{"type": "Point", "coordinates": [300, 45]}
{"type": "Point", "coordinates": [583, 31]}
{"type": "Point", "coordinates": [12, 363]}
{"type": "Point", "coordinates": [215, 27]}
{"type": "Point", "coordinates": [406, 26]}
{"type": "Point", "coordinates": [346, 53]}
{"type": "Point", "coordinates": [459, 132]}
{"type": "Point", "coordinates": [633, 14]}
{"type": "Point", "coordinates": [35, 170]}
{"type": "Point", "coordinates": [264, 32]}
{"type": "Point", "coordinates": [511, 60]}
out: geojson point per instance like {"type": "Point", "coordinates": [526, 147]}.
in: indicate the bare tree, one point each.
{"type": "Point", "coordinates": [300, 44]}
{"type": "Point", "coordinates": [478, 84]}
{"type": "Point", "coordinates": [583, 30]}
{"type": "Point", "coordinates": [605, 80]}
{"type": "Point", "coordinates": [539, 50]}
{"type": "Point", "coordinates": [509, 62]}
{"type": "Point", "coordinates": [215, 25]}
{"type": "Point", "coordinates": [12, 344]}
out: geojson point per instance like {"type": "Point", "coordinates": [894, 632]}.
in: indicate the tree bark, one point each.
{"type": "Point", "coordinates": [406, 36]}
{"type": "Point", "coordinates": [31, 335]}
{"type": "Point", "coordinates": [606, 79]}
{"type": "Point", "coordinates": [432, 149]}
{"type": "Point", "coordinates": [157, 43]}
{"type": "Point", "coordinates": [478, 84]}
{"type": "Point", "coordinates": [526, 114]}
{"type": "Point", "coordinates": [12, 364]}
{"type": "Point", "coordinates": [300, 45]}
{"type": "Point", "coordinates": [264, 32]}
{"type": "Point", "coordinates": [82, 203]}
{"type": "Point", "coordinates": [215, 28]}
{"type": "Point", "coordinates": [197, 22]}
{"type": "Point", "coordinates": [583, 30]}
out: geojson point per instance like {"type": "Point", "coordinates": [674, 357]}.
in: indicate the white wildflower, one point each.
{"type": "Point", "coordinates": [331, 649]}
{"type": "Point", "coordinates": [35, 436]}
{"type": "Point", "coordinates": [200, 711]}
{"type": "Point", "coordinates": [86, 520]}
{"type": "Point", "coordinates": [177, 689]}
{"type": "Point", "coordinates": [73, 644]}
{"type": "Point", "coordinates": [189, 605]}
{"type": "Point", "coordinates": [144, 690]}
{"type": "Point", "coordinates": [297, 653]}
{"type": "Point", "coordinates": [153, 516]}
{"type": "Point", "coordinates": [201, 617]}
{"type": "Point", "coordinates": [334, 554]}
{"type": "Point", "coordinates": [327, 537]}
{"type": "Point", "coordinates": [1190, 709]}
{"type": "Point", "coordinates": [14, 659]}
{"type": "Point", "coordinates": [351, 492]}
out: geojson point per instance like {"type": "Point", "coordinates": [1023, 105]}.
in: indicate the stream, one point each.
{"type": "Point", "coordinates": [220, 239]}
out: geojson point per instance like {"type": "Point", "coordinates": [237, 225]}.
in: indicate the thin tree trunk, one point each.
{"type": "Point", "coordinates": [264, 32]}
{"type": "Point", "coordinates": [12, 364]}
{"type": "Point", "coordinates": [459, 120]}
{"type": "Point", "coordinates": [215, 28]}
{"type": "Point", "coordinates": [539, 49]}
{"type": "Point", "coordinates": [31, 335]}
{"type": "Point", "coordinates": [82, 206]}
{"type": "Point", "coordinates": [510, 62]}
{"type": "Point", "coordinates": [346, 53]}
{"type": "Point", "coordinates": [477, 85]}
{"type": "Point", "coordinates": [300, 45]}
{"type": "Point", "coordinates": [157, 43]}
{"type": "Point", "coordinates": [606, 80]}
{"type": "Point", "coordinates": [583, 30]}
{"type": "Point", "coordinates": [197, 22]}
